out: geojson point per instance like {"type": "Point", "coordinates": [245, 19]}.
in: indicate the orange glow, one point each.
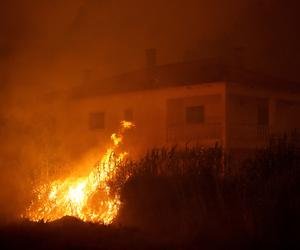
{"type": "Point", "coordinates": [88, 198]}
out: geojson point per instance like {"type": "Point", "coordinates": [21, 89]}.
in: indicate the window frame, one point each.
{"type": "Point", "coordinates": [191, 116]}
{"type": "Point", "coordinates": [128, 114]}
{"type": "Point", "coordinates": [97, 120]}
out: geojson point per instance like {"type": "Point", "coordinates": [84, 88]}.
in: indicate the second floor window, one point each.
{"type": "Point", "coordinates": [128, 114]}
{"type": "Point", "coordinates": [97, 120]}
{"type": "Point", "coordinates": [194, 114]}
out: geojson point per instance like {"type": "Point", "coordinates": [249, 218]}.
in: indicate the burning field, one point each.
{"type": "Point", "coordinates": [88, 198]}
{"type": "Point", "coordinates": [173, 198]}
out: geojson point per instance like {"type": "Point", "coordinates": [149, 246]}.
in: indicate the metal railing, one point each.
{"type": "Point", "coordinates": [197, 132]}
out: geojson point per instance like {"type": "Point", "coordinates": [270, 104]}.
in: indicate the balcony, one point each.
{"type": "Point", "coordinates": [190, 133]}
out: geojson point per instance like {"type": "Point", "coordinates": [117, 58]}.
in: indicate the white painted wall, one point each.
{"type": "Point", "coordinates": [150, 116]}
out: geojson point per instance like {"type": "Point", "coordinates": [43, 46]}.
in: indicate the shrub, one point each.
{"type": "Point", "coordinates": [182, 194]}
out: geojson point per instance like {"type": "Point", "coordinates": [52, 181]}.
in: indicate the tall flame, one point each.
{"type": "Point", "coordinates": [88, 198]}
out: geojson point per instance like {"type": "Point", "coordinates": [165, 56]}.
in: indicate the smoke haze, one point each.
{"type": "Point", "coordinates": [47, 47]}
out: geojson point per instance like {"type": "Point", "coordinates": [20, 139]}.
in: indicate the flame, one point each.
{"type": "Point", "coordinates": [88, 198]}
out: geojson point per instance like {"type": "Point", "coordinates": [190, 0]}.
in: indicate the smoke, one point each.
{"type": "Point", "coordinates": [46, 48]}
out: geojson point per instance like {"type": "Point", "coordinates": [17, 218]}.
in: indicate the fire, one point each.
{"type": "Point", "coordinates": [88, 198]}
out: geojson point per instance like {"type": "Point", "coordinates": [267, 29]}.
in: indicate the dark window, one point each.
{"type": "Point", "coordinates": [195, 114]}
{"type": "Point", "coordinates": [128, 115]}
{"type": "Point", "coordinates": [263, 115]}
{"type": "Point", "coordinates": [97, 120]}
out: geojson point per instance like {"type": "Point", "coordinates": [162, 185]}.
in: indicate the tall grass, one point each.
{"type": "Point", "coordinates": [183, 194]}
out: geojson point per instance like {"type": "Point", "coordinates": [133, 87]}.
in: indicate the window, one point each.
{"type": "Point", "coordinates": [195, 114]}
{"type": "Point", "coordinates": [97, 120]}
{"type": "Point", "coordinates": [263, 115]}
{"type": "Point", "coordinates": [128, 114]}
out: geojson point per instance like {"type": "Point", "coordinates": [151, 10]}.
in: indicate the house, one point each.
{"type": "Point", "coordinates": [191, 102]}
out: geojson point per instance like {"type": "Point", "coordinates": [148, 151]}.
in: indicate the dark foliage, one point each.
{"type": "Point", "coordinates": [70, 233]}
{"type": "Point", "coordinates": [189, 198]}
{"type": "Point", "coordinates": [188, 195]}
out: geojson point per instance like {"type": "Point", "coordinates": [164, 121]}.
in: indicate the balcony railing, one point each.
{"type": "Point", "coordinates": [263, 132]}
{"type": "Point", "coordinates": [198, 132]}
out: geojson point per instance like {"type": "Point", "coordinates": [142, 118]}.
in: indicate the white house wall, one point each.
{"type": "Point", "coordinates": [150, 114]}
{"type": "Point", "coordinates": [243, 102]}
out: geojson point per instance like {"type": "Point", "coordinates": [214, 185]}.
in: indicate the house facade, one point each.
{"type": "Point", "coordinates": [237, 113]}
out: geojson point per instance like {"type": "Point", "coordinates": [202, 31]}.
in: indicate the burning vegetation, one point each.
{"type": "Point", "coordinates": [254, 204]}
{"type": "Point", "coordinates": [89, 198]}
